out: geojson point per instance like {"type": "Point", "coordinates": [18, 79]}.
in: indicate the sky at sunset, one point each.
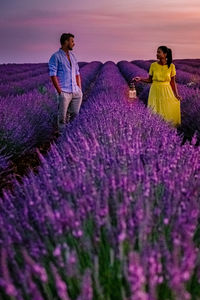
{"type": "Point", "coordinates": [104, 30]}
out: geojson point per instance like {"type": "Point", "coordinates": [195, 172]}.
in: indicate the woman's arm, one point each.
{"type": "Point", "coordinates": [147, 80]}
{"type": "Point", "coordinates": [174, 88]}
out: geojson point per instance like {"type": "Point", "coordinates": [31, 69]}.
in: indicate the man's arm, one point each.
{"type": "Point", "coordinates": [53, 67]}
{"type": "Point", "coordinates": [55, 81]}
{"type": "Point", "coordinates": [78, 77]}
{"type": "Point", "coordinates": [78, 80]}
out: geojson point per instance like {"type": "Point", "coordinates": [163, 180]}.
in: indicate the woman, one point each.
{"type": "Point", "coordinates": [163, 95]}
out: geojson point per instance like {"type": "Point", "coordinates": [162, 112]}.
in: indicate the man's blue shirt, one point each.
{"type": "Point", "coordinates": [59, 66]}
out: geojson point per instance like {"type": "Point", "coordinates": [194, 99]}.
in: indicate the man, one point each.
{"type": "Point", "coordinates": [65, 75]}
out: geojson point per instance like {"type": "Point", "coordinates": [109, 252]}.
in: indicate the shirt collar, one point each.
{"type": "Point", "coordinates": [63, 52]}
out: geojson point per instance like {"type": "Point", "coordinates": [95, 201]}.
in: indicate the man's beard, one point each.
{"type": "Point", "coordinates": [70, 48]}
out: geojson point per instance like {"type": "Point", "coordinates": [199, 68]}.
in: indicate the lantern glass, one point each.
{"type": "Point", "coordinates": [132, 91]}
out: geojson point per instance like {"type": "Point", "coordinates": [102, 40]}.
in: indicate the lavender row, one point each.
{"type": "Point", "coordinates": [29, 80]}
{"type": "Point", "coordinates": [129, 70]}
{"type": "Point", "coordinates": [190, 109]}
{"type": "Point", "coordinates": [86, 73]}
{"type": "Point", "coordinates": [192, 80]}
{"type": "Point", "coordinates": [190, 106]}
{"type": "Point", "coordinates": [82, 63]}
{"type": "Point", "coordinates": [18, 69]}
{"type": "Point", "coordinates": [14, 77]}
{"type": "Point", "coordinates": [190, 62]}
{"type": "Point", "coordinates": [28, 120]}
{"type": "Point", "coordinates": [6, 170]}
{"type": "Point", "coordinates": [11, 69]}
{"type": "Point", "coordinates": [192, 67]}
{"type": "Point", "coordinates": [21, 87]}
{"type": "Point", "coordinates": [187, 68]}
{"type": "Point", "coordinates": [144, 64]}
{"type": "Point", "coordinates": [184, 74]}
{"type": "Point", "coordinates": [113, 212]}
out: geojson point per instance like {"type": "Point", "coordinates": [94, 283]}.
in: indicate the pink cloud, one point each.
{"type": "Point", "coordinates": [104, 35]}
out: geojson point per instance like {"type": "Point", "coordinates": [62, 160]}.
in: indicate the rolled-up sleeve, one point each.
{"type": "Point", "coordinates": [53, 65]}
{"type": "Point", "coordinates": [77, 69]}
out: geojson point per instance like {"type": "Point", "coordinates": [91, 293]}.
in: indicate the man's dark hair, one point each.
{"type": "Point", "coordinates": [65, 36]}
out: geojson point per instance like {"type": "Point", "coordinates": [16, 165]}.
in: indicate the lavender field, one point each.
{"type": "Point", "coordinates": [113, 212]}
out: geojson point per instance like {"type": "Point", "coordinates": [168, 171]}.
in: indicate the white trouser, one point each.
{"type": "Point", "coordinates": [68, 106]}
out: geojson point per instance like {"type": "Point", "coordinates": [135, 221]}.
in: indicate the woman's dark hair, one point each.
{"type": "Point", "coordinates": [64, 37]}
{"type": "Point", "coordinates": [169, 54]}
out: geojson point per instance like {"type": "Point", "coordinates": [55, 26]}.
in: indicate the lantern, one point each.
{"type": "Point", "coordinates": [132, 91]}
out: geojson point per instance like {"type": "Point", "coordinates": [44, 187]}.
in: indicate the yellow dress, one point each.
{"type": "Point", "coordinates": [161, 96]}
